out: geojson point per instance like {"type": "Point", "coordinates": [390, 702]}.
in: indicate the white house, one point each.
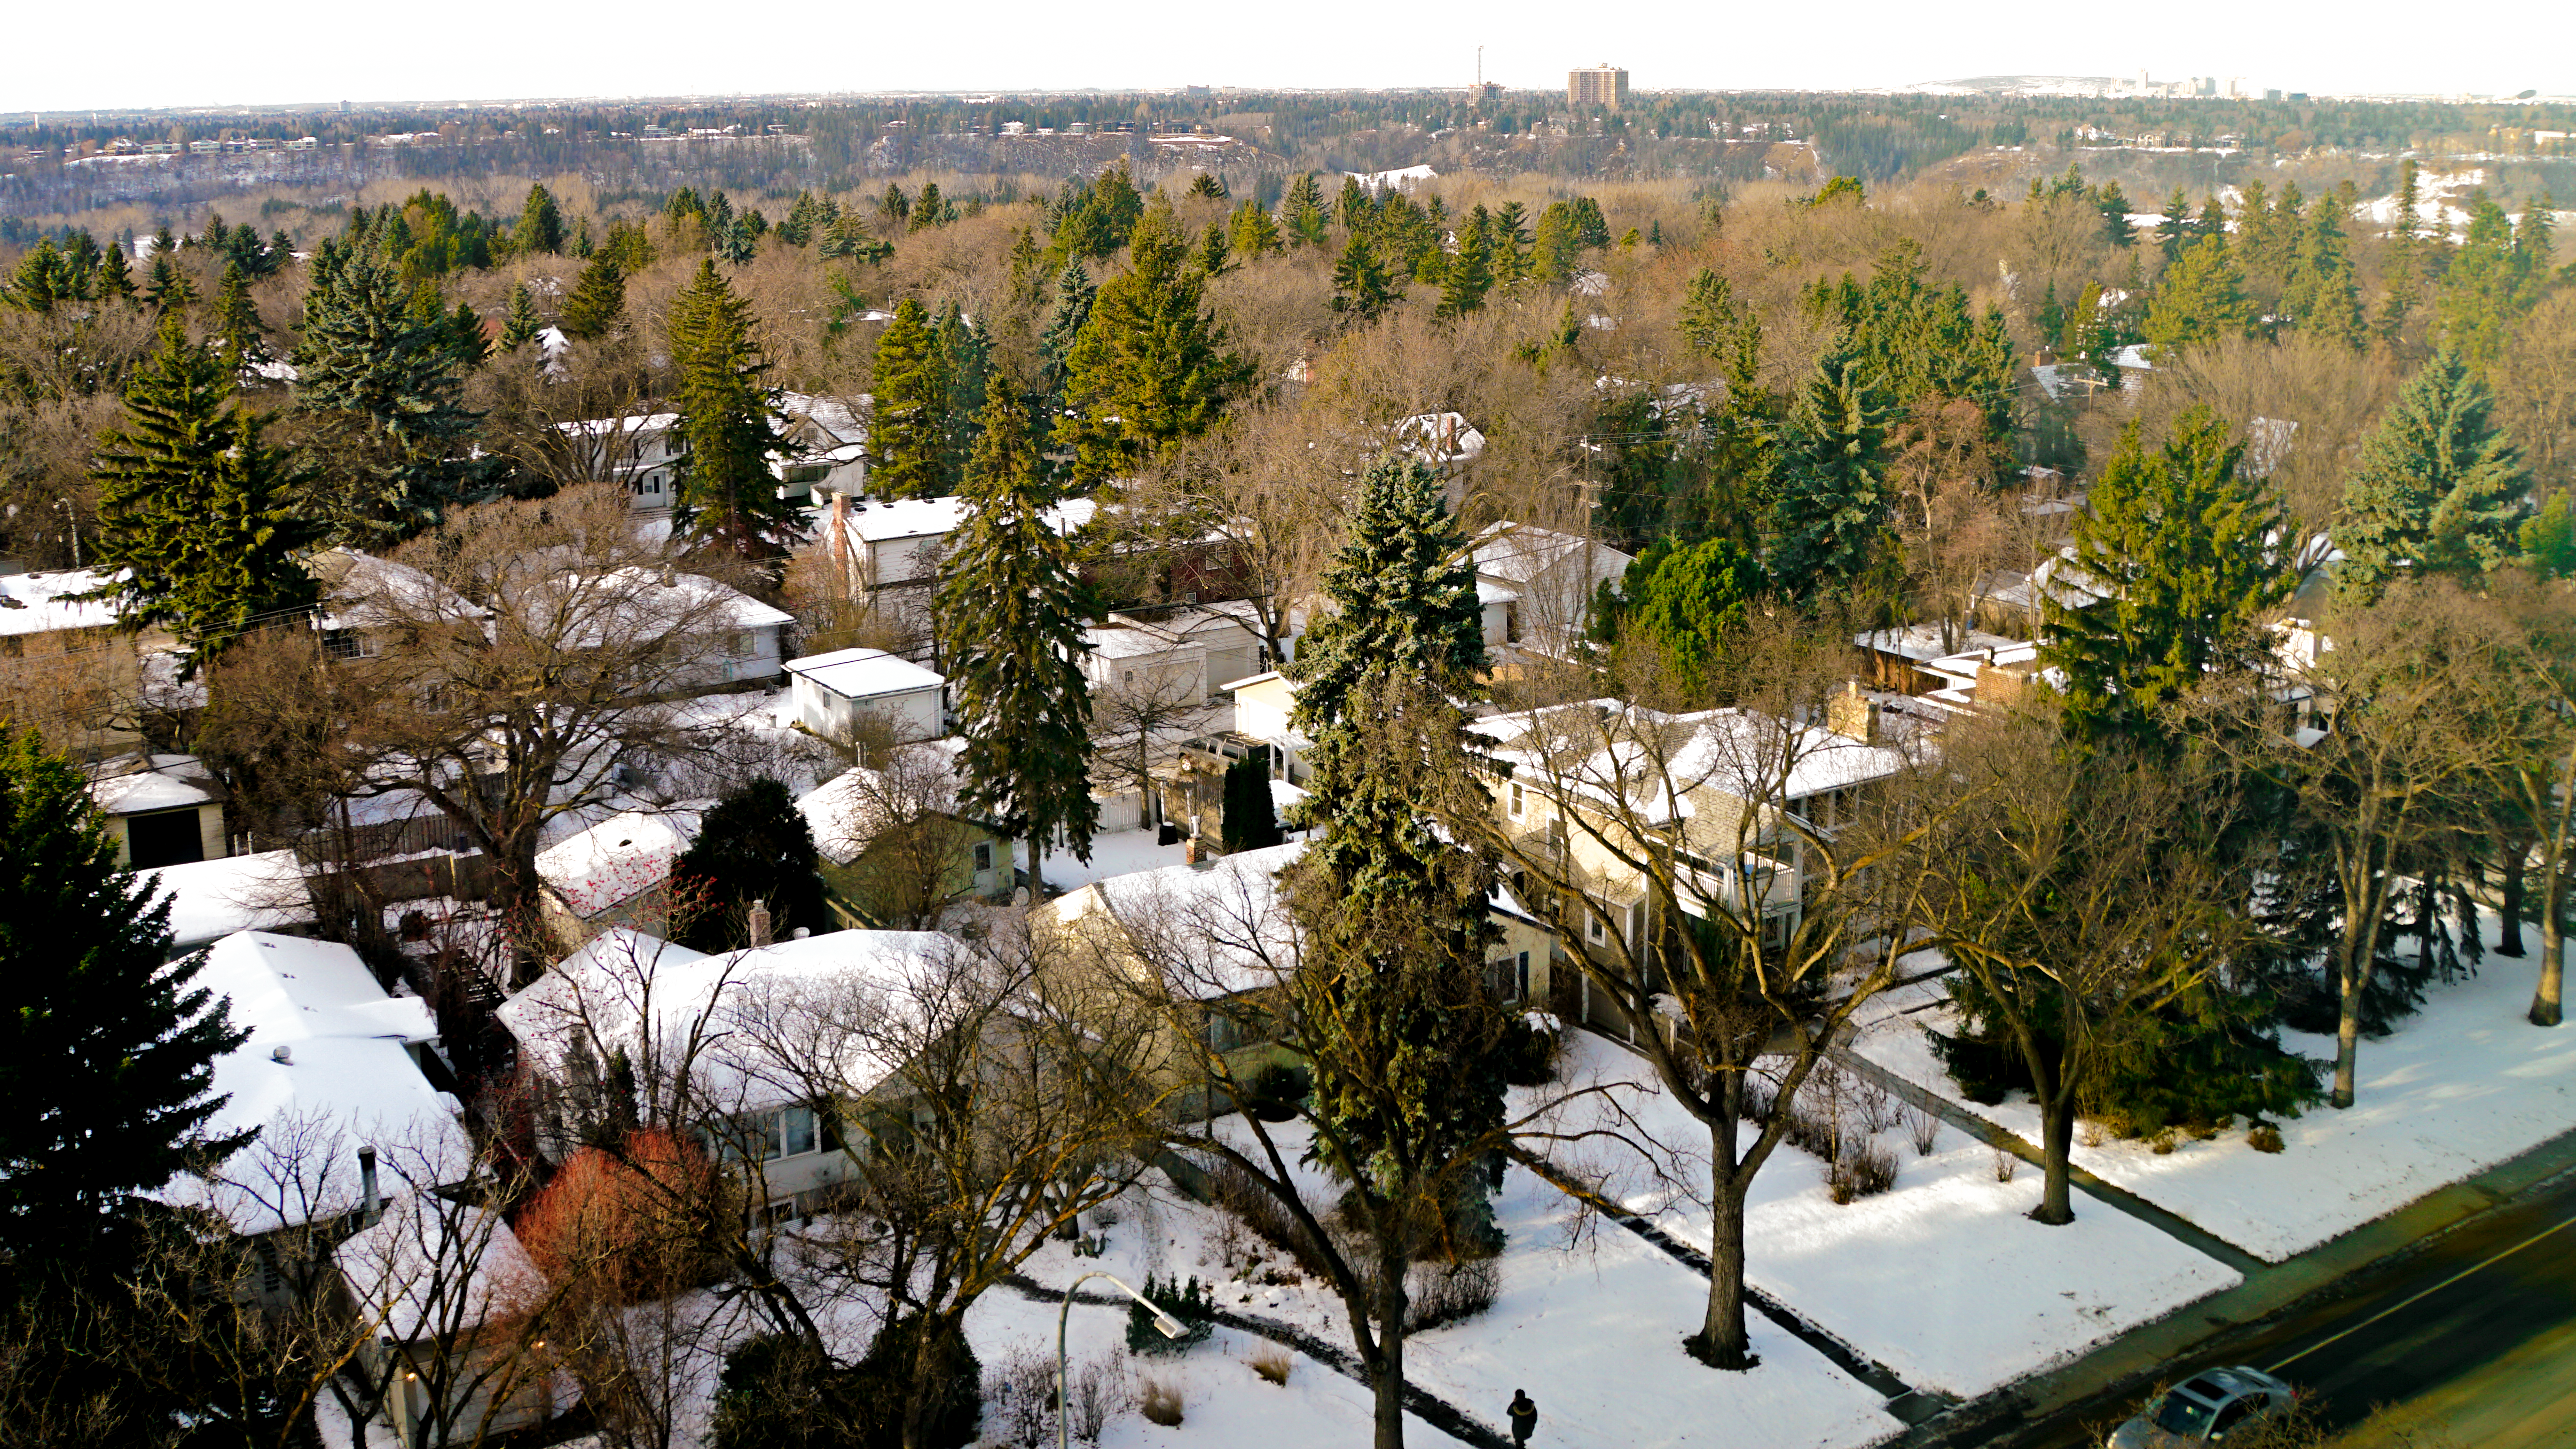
{"type": "Point", "coordinates": [1536, 585]}
{"type": "Point", "coordinates": [826, 450]}
{"type": "Point", "coordinates": [661, 1004]}
{"type": "Point", "coordinates": [890, 542]}
{"type": "Point", "coordinates": [161, 809]}
{"type": "Point", "coordinates": [332, 1066]}
{"type": "Point", "coordinates": [834, 692]}
{"type": "Point", "coordinates": [1262, 704]}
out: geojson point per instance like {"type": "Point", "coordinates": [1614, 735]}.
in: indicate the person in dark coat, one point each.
{"type": "Point", "coordinates": [1524, 1417]}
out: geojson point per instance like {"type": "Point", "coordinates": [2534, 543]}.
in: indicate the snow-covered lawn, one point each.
{"type": "Point", "coordinates": [2460, 1086]}
{"type": "Point", "coordinates": [1943, 1279]}
{"type": "Point", "coordinates": [1589, 1324]}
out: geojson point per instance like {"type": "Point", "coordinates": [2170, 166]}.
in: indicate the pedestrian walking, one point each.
{"type": "Point", "coordinates": [1524, 1417]}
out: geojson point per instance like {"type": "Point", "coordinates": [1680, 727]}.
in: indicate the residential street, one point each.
{"type": "Point", "coordinates": [2470, 1343]}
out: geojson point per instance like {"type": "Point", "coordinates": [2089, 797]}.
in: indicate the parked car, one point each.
{"type": "Point", "coordinates": [2205, 1408]}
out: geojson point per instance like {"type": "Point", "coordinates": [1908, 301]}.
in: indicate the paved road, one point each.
{"type": "Point", "coordinates": [2473, 1339]}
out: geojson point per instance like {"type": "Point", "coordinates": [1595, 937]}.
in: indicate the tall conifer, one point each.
{"type": "Point", "coordinates": [1151, 366]}
{"type": "Point", "coordinates": [1010, 612]}
{"type": "Point", "coordinates": [385, 376]}
{"type": "Point", "coordinates": [598, 300]}
{"type": "Point", "coordinates": [910, 435]}
{"type": "Point", "coordinates": [2441, 488]}
{"type": "Point", "coordinates": [726, 494]}
{"type": "Point", "coordinates": [1832, 515]}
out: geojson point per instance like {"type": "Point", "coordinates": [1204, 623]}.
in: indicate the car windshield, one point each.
{"type": "Point", "coordinates": [2181, 1414]}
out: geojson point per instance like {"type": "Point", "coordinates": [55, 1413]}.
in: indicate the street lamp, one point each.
{"type": "Point", "coordinates": [1164, 1324]}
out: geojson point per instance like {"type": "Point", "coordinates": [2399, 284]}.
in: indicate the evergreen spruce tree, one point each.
{"type": "Point", "coordinates": [1214, 256]}
{"type": "Point", "coordinates": [1404, 595]}
{"type": "Point", "coordinates": [1471, 272]}
{"type": "Point", "coordinates": [521, 325]}
{"type": "Point", "coordinates": [1832, 515]}
{"type": "Point", "coordinates": [2320, 296]}
{"type": "Point", "coordinates": [754, 845]}
{"type": "Point", "coordinates": [598, 300]}
{"type": "Point", "coordinates": [1208, 186]}
{"type": "Point", "coordinates": [115, 278]}
{"type": "Point", "coordinates": [966, 360]}
{"type": "Point", "coordinates": [1362, 290]}
{"type": "Point", "coordinates": [2549, 540]}
{"type": "Point", "coordinates": [1150, 366]}
{"type": "Point", "coordinates": [153, 472]}
{"type": "Point", "coordinates": [2173, 229]}
{"type": "Point", "coordinates": [1684, 602]}
{"type": "Point", "coordinates": [1074, 295]}
{"type": "Point", "coordinates": [725, 493]}
{"type": "Point", "coordinates": [540, 227]}
{"type": "Point", "coordinates": [167, 288]}
{"type": "Point", "coordinates": [2178, 554]}
{"type": "Point", "coordinates": [237, 324]}
{"type": "Point", "coordinates": [1301, 211]}
{"type": "Point", "coordinates": [2441, 488]}
{"type": "Point", "coordinates": [1009, 613]}
{"type": "Point", "coordinates": [2200, 299]}
{"type": "Point", "coordinates": [1251, 819]}
{"type": "Point", "coordinates": [1251, 232]}
{"type": "Point", "coordinates": [387, 379]}
{"type": "Point", "coordinates": [107, 1050]}
{"type": "Point", "coordinates": [1511, 244]}
{"type": "Point", "coordinates": [1552, 251]}
{"type": "Point", "coordinates": [911, 433]}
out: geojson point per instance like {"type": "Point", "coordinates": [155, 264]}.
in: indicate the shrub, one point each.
{"type": "Point", "coordinates": [620, 1226]}
{"type": "Point", "coordinates": [1160, 1403]}
{"type": "Point", "coordinates": [1438, 1293]}
{"type": "Point", "coordinates": [1864, 1170]}
{"type": "Point", "coordinates": [778, 1391]}
{"type": "Point", "coordinates": [1251, 1203]}
{"type": "Point", "coordinates": [1019, 1407]}
{"type": "Point", "coordinates": [1273, 1365]}
{"type": "Point", "coordinates": [884, 1380]}
{"type": "Point", "coordinates": [1189, 1304]}
{"type": "Point", "coordinates": [2005, 1165]}
{"type": "Point", "coordinates": [2265, 1138]}
{"type": "Point", "coordinates": [1924, 1129]}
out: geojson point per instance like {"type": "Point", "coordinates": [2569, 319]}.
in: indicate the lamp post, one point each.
{"type": "Point", "coordinates": [1164, 1324]}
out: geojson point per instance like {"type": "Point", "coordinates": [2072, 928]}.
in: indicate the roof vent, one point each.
{"type": "Point", "coordinates": [282, 1054]}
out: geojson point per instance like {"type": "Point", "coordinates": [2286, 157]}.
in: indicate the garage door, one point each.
{"type": "Point", "coordinates": [168, 837]}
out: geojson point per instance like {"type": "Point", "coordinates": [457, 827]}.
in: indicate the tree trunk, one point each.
{"type": "Point", "coordinates": [2347, 1038]}
{"type": "Point", "coordinates": [1037, 882]}
{"type": "Point", "coordinates": [2509, 937]}
{"type": "Point", "coordinates": [1388, 1388]}
{"type": "Point", "coordinates": [2547, 1001]}
{"type": "Point", "coordinates": [2057, 1132]}
{"type": "Point", "coordinates": [1721, 1341]}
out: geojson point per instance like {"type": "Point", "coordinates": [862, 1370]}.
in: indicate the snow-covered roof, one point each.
{"type": "Point", "coordinates": [891, 520]}
{"type": "Point", "coordinates": [864, 673]}
{"type": "Point", "coordinates": [630, 991]}
{"type": "Point", "coordinates": [42, 603]}
{"type": "Point", "coordinates": [134, 784]}
{"type": "Point", "coordinates": [326, 1055]}
{"type": "Point", "coordinates": [211, 899]}
{"type": "Point", "coordinates": [633, 423]}
{"type": "Point", "coordinates": [616, 860]}
{"type": "Point", "coordinates": [1516, 553]}
{"type": "Point", "coordinates": [430, 1267]}
{"type": "Point", "coordinates": [1130, 642]}
{"type": "Point", "coordinates": [1599, 749]}
{"type": "Point", "coordinates": [846, 812]}
{"type": "Point", "coordinates": [1225, 913]}
{"type": "Point", "coordinates": [1441, 438]}
{"type": "Point", "coordinates": [1921, 642]}
{"type": "Point", "coordinates": [363, 591]}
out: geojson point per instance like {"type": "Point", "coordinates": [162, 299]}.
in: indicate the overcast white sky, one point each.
{"type": "Point", "coordinates": [164, 53]}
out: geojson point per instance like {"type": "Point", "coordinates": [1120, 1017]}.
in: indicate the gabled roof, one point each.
{"type": "Point", "coordinates": [43, 602]}
{"type": "Point", "coordinates": [1707, 750]}
{"type": "Point", "coordinates": [432, 1267]}
{"type": "Point", "coordinates": [211, 899]}
{"type": "Point", "coordinates": [134, 784]}
{"type": "Point", "coordinates": [616, 860]}
{"type": "Point", "coordinates": [1226, 912]}
{"type": "Point", "coordinates": [1516, 553]}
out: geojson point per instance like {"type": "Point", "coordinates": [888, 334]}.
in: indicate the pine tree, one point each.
{"type": "Point", "coordinates": [1251, 232]}
{"type": "Point", "coordinates": [2441, 488]}
{"type": "Point", "coordinates": [1471, 272]}
{"type": "Point", "coordinates": [1009, 614]}
{"type": "Point", "coordinates": [1354, 207]}
{"type": "Point", "coordinates": [2200, 299]}
{"type": "Point", "coordinates": [1214, 258]}
{"type": "Point", "coordinates": [2173, 229]}
{"type": "Point", "coordinates": [966, 361]}
{"type": "Point", "coordinates": [598, 300]}
{"type": "Point", "coordinates": [2178, 552]}
{"type": "Point", "coordinates": [115, 278]}
{"type": "Point", "coordinates": [2486, 288]}
{"type": "Point", "coordinates": [1150, 366]}
{"type": "Point", "coordinates": [754, 845]}
{"type": "Point", "coordinates": [1301, 211]}
{"type": "Point", "coordinates": [1511, 244]}
{"type": "Point", "coordinates": [107, 1050]}
{"type": "Point", "coordinates": [1362, 290]}
{"type": "Point", "coordinates": [1832, 516]}
{"type": "Point", "coordinates": [1208, 186]}
{"type": "Point", "coordinates": [237, 323]}
{"type": "Point", "coordinates": [1251, 819]}
{"type": "Point", "coordinates": [1404, 595]}
{"type": "Point", "coordinates": [1591, 229]}
{"type": "Point", "coordinates": [910, 435]}
{"type": "Point", "coordinates": [2320, 296]}
{"type": "Point", "coordinates": [154, 472]}
{"type": "Point", "coordinates": [540, 227]}
{"type": "Point", "coordinates": [725, 493]}
{"type": "Point", "coordinates": [1552, 253]}
{"type": "Point", "coordinates": [1074, 295]}
{"type": "Point", "coordinates": [167, 288]}
{"type": "Point", "coordinates": [387, 378]}
{"type": "Point", "coordinates": [521, 325]}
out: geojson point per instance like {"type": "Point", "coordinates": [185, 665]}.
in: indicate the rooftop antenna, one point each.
{"type": "Point", "coordinates": [1480, 70]}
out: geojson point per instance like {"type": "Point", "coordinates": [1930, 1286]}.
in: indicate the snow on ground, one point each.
{"type": "Point", "coordinates": [2460, 1086]}
{"type": "Point", "coordinates": [1590, 1324]}
{"type": "Point", "coordinates": [1115, 852]}
{"type": "Point", "coordinates": [1944, 1278]}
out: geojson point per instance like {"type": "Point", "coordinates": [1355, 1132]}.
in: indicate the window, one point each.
{"type": "Point", "coordinates": [984, 857]}
{"type": "Point", "coordinates": [796, 1130]}
{"type": "Point", "coordinates": [2231, 1416]}
{"type": "Point", "coordinates": [1517, 802]}
{"type": "Point", "coordinates": [1594, 929]}
{"type": "Point", "coordinates": [351, 644]}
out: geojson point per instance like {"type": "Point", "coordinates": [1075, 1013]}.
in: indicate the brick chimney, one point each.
{"type": "Point", "coordinates": [1853, 714]}
{"type": "Point", "coordinates": [760, 923]}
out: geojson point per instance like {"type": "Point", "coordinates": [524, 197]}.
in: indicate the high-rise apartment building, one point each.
{"type": "Point", "coordinates": [1602, 85]}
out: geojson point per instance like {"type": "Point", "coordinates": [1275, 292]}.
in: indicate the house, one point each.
{"type": "Point", "coordinates": [1728, 798]}
{"type": "Point", "coordinates": [334, 1074]}
{"type": "Point", "coordinates": [836, 694]}
{"type": "Point", "coordinates": [1901, 658]}
{"type": "Point", "coordinates": [212, 899]}
{"type": "Point", "coordinates": [372, 604]}
{"type": "Point", "coordinates": [616, 873]}
{"type": "Point", "coordinates": [669, 1009]}
{"type": "Point", "coordinates": [68, 659]}
{"type": "Point", "coordinates": [1262, 706]}
{"type": "Point", "coordinates": [451, 1296]}
{"type": "Point", "coordinates": [825, 450]}
{"type": "Point", "coordinates": [891, 542]}
{"type": "Point", "coordinates": [161, 809]}
{"type": "Point", "coordinates": [1201, 646]}
{"type": "Point", "coordinates": [1536, 585]}
{"type": "Point", "coordinates": [892, 843]}
{"type": "Point", "coordinates": [745, 643]}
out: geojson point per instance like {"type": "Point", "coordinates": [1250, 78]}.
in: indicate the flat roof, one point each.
{"type": "Point", "coordinates": [864, 673]}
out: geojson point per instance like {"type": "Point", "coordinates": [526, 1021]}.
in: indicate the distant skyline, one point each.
{"type": "Point", "coordinates": [153, 53]}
